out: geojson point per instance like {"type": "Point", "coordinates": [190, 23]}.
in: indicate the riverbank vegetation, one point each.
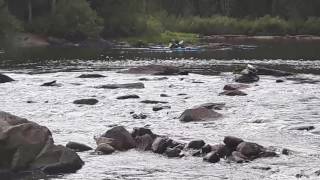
{"type": "Point", "coordinates": [158, 21]}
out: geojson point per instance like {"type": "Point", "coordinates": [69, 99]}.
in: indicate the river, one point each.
{"type": "Point", "coordinates": [265, 116]}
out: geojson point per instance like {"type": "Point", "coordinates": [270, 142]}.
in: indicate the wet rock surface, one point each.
{"type": "Point", "coordinates": [28, 146]}
{"type": "Point", "coordinates": [90, 101]}
{"type": "Point", "coordinates": [199, 114]}
{"type": "Point", "coordinates": [131, 96]}
{"type": "Point", "coordinates": [122, 86]}
{"type": "Point", "coordinates": [91, 76]}
{"type": "Point", "coordinates": [78, 147]}
{"type": "Point", "coordinates": [5, 78]}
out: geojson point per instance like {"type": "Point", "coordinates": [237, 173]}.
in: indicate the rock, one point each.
{"type": "Point", "coordinates": [122, 138]}
{"type": "Point", "coordinates": [142, 131]}
{"type": "Point", "coordinates": [86, 101]}
{"type": "Point", "coordinates": [159, 145]}
{"type": "Point", "coordinates": [153, 70]}
{"type": "Point", "coordinates": [231, 87]}
{"type": "Point", "coordinates": [144, 142]}
{"type": "Point", "coordinates": [153, 102]}
{"type": "Point", "coordinates": [264, 168]}
{"type": "Point", "coordinates": [279, 81]}
{"type": "Point", "coordinates": [238, 157]}
{"type": "Point", "coordinates": [104, 140]}
{"type": "Point", "coordinates": [206, 149]}
{"type": "Point", "coordinates": [123, 86]}
{"type": "Point", "coordinates": [104, 148]}
{"type": "Point", "coordinates": [78, 147]}
{"type": "Point", "coordinates": [91, 76]}
{"type": "Point", "coordinates": [153, 79]}
{"type": "Point", "coordinates": [51, 83]}
{"type": "Point", "coordinates": [286, 151]}
{"type": "Point", "coordinates": [173, 152]}
{"type": "Point", "coordinates": [159, 108]}
{"type": "Point", "coordinates": [199, 114]}
{"type": "Point", "coordinates": [233, 93]}
{"type": "Point", "coordinates": [26, 145]}
{"type": "Point", "coordinates": [196, 144]}
{"type": "Point", "coordinates": [164, 95]}
{"type": "Point", "coordinates": [303, 128]}
{"type": "Point", "coordinates": [139, 116]}
{"type": "Point", "coordinates": [221, 150]}
{"type": "Point", "coordinates": [183, 73]}
{"type": "Point", "coordinates": [215, 106]}
{"type": "Point", "coordinates": [248, 75]}
{"type": "Point", "coordinates": [212, 157]}
{"type": "Point", "coordinates": [317, 173]}
{"type": "Point", "coordinates": [250, 150]}
{"type": "Point", "coordinates": [232, 142]}
{"type": "Point", "coordinates": [57, 159]}
{"type": "Point", "coordinates": [5, 79]}
{"type": "Point", "coordinates": [182, 94]}
{"type": "Point", "coordinates": [272, 72]}
{"type": "Point", "coordinates": [133, 96]}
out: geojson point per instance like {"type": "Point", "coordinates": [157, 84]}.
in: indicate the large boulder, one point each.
{"type": "Point", "coordinates": [25, 145]}
{"type": "Point", "coordinates": [154, 70]}
{"type": "Point", "coordinates": [4, 78]}
{"type": "Point", "coordinates": [122, 86]}
{"type": "Point", "coordinates": [250, 150]}
{"type": "Point", "coordinates": [199, 114]}
{"type": "Point", "coordinates": [122, 138]}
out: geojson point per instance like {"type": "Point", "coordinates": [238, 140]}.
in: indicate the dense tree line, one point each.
{"type": "Point", "coordinates": [79, 19]}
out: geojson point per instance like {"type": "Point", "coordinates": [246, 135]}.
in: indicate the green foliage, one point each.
{"type": "Point", "coordinates": [71, 19]}
{"type": "Point", "coordinates": [8, 23]}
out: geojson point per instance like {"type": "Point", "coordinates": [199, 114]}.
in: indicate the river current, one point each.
{"type": "Point", "coordinates": [265, 116]}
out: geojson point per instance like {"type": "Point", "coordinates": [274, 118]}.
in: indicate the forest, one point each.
{"type": "Point", "coordinates": [77, 20]}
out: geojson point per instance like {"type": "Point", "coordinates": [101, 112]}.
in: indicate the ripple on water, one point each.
{"type": "Point", "coordinates": [276, 106]}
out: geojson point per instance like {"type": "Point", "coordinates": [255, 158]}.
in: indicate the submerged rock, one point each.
{"type": "Point", "coordinates": [25, 145]}
{"type": "Point", "coordinates": [139, 116]}
{"type": "Point", "coordinates": [159, 108]}
{"type": "Point", "coordinates": [303, 128]}
{"type": "Point", "coordinates": [122, 138]}
{"type": "Point", "coordinates": [5, 78]}
{"type": "Point", "coordinates": [105, 148]}
{"type": "Point", "coordinates": [90, 101]}
{"type": "Point", "coordinates": [199, 114]}
{"type": "Point", "coordinates": [215, 106]}
{"type": "Point", "coordinates": [78, 147]}
{"type": "Point", "coordinates": [132, 96]}
{"type": "Point", "coordinates": [91, 76]}
{"type": "Point", "coordinates": [122, 86]}
{"type": "Point", "coordinates": [51, 83]}
{"type": "Point", "coordinates": [233, 93]}
{"type": "Point", "coordinates": [154, 70]}
{"type": "Point", "coordinates": [153, 102]}
{"type": "Point", "coordinates": [231, 87]}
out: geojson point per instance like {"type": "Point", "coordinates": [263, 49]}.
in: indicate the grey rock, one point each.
{"type": "Point", "coordinates": [90, 101]}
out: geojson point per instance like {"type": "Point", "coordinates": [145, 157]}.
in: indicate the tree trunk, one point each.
{"type": "Point", "coordinates": [29, 11]}
{"type": "Point", "coordinates": [53, 6]}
